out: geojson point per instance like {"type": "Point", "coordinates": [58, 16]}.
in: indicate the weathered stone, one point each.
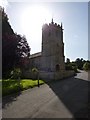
{"type": "Point", "coordinates": [50, 61]}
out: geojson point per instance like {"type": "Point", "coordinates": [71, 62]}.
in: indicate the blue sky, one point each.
{"type": "Point", "coordinates": [73, 15]}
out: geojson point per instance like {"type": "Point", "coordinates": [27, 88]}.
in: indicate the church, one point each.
{"type": "Point", "coordinates": [50, 62]}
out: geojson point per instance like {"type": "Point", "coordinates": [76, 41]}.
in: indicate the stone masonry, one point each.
{"type": "Point", "coordinates": [51, 60]}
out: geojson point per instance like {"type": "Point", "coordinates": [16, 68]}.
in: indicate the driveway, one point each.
{"type": "Point", "coordinates": [66, 98]}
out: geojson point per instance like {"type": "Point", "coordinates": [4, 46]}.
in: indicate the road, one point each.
{"type": "Point", "coordinates": [66, 98]}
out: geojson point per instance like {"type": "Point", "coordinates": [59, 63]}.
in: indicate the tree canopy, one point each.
{"type": "Point", "coordinates": [86, 66]}
{"type": "Point", "coordinates": [79, 63]}
{"type": "Point", "coordinates": [14, 46]}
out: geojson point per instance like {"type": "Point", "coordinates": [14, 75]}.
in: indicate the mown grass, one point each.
{"type": "Point", "coordinates": [10, 86]}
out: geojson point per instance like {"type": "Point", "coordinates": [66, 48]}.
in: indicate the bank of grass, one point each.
{"type": "Point", "coordinates": [10, 86]}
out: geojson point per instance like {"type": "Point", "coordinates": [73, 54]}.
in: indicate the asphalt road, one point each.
{"type": "Point", "coordinates": [66, 98]}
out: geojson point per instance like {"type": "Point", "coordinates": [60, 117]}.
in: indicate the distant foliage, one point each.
{"type": "Point", "coordinates": [70, 65]}
{"type": "Point", "coordinates": [67, 60]}
{"type": "Point", "coordinates": [79, 62]}
{"type": "Point", "coordinates": [86, 66]}
{"type": "Point", "coordinates": [74, 66]}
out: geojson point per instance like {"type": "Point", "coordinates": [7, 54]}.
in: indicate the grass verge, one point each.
{"type": "Point", "coordinates": [10, 86]}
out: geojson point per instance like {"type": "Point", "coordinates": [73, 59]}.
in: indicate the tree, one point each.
{"type": "Point", "coordinates": [23, 49]}
{"type": "Point", "coordinates": [22, 52]}
{"type": "Point", "coordinates": [79, 63]}
{"type": "Point", "coordinates": [74, 66]}
{"type": "Point", "coordinates": [67, 60]}
{"type": "Point", "coordinates": [68, 65]}
{"type": "Point", "coordinates": [14, 47]}
{"type": "Point", "coordinates": [86, 66]}
{"type": "Point", "coordinates": [6, 27]}
{"type": "Point", "coordinates": [9, 44]}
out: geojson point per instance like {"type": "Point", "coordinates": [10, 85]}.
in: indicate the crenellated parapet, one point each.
{"type": "Point", "coordinates": [52, 24]}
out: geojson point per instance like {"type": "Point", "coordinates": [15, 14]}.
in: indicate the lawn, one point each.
{"type": "Point", "coordinates": [10, 86]}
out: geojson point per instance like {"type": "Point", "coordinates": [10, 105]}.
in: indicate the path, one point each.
{"type": "Point", "coordinates": [66, 98]}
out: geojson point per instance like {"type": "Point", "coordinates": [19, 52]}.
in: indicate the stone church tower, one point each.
{"type": "Point", "coordinates": [52, 47]}
{"type": "Point", "coordinates": [50, 61]}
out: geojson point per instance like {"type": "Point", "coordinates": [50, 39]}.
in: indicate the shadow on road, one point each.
{"type": "Point", "coordinates": [11, 98]}
{"type": "Point", "coordinates": [73, 92]}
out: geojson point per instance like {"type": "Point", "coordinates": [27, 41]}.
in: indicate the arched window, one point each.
{"type": "Point", "coordinates": [57, 67]}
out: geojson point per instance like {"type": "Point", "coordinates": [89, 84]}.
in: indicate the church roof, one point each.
{"type": "Point", "coordinates": [36, 55]}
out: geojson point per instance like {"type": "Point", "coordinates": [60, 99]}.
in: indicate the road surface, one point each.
{"type": "Point", "coordinates": [66, 98]}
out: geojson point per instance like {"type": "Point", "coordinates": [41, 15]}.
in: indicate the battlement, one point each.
{"type": "Point", "coordinates": [52, 24]}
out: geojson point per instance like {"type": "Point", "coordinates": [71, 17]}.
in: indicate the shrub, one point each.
{"type": "Point", "coordinates": [68, 66]}
{"type": "Point", "coordinates": [86, 66]}
{"type": "Point", "coordinates": [16, 73]}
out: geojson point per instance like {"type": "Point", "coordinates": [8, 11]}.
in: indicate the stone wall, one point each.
{"type": "Point", "coordinates": [56, 75]}
{"type": "Point", "coordinates": [47, 76]}
{"type": "Point", "coordinates": [35, 62]}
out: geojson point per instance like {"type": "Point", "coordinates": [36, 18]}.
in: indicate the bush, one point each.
{"type": "Point", "coordinates": [74, 68]}
{"type": "Point", "coordinates": [86, 66]}
{"type": "Point", "coordinates": [16, 73]}
{"type": "Point", "coordinates": [71, 66]}
{"type": "Point", "coordinates": [68, 66]}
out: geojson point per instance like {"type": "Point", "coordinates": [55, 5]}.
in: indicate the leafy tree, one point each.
{"type": "Point", "coordinates": [67, 60]}
{"type": "Point", "coordinates": [23, 49]}
{"type": "Point", "coordinates": [86, 66]}
{"type": "Point", "coordinates": [74, 66]}
{"type": "Point", "coordinates": [22, 52]}
{"type": "Point", "coordinates": [68, 66]}
{"type": "Point", "coordinates": [14, 47]}
{"type": "Point", "coordinates": [9, 44]}
{"type": "Point", "coordinates": [79, 63]}
{"type": "Point", "coordinates": [6, 27]}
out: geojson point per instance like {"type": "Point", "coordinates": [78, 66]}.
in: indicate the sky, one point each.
{"type": "Point", "coordinates": [27, 18]}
